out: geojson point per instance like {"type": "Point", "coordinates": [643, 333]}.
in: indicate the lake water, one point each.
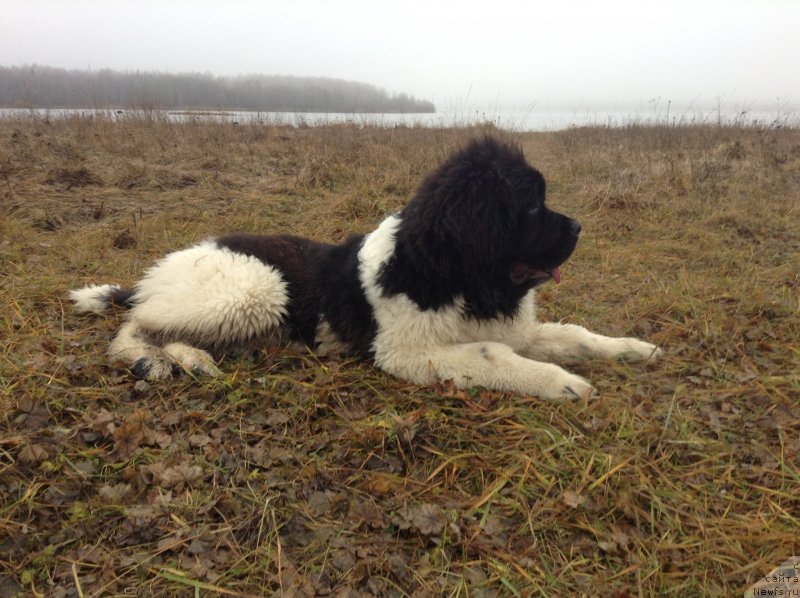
{"type": "Point", "coordinates": [513, 120]}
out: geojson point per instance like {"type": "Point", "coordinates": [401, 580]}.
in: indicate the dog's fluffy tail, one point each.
{"type": "Point", "coordinates": [100, 298]}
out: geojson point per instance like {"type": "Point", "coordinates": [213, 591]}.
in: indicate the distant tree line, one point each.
{"type": "Point", "coordinates": [37, 86]}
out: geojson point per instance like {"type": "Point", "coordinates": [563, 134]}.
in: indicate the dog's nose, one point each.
{"type": "Point", "coordinates": [575, 227]}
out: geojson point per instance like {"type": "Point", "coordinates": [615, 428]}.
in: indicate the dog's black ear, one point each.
{"type": "Point", "coordinates": [477, 217]}
{"type": "Point", "coordinates": [462, 219]}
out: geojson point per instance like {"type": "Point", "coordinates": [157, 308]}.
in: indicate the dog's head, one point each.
{"type": "Point", "coordinates": [479, 226]}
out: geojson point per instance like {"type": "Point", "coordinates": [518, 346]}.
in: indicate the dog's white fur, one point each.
{"type": "Point", "coordinates": [215, 296]}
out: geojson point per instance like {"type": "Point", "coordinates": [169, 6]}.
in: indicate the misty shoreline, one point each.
{"type": "Point", "coordinates": [511, 120]}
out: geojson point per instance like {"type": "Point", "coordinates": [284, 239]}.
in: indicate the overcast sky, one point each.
{"type": "Point", "coordinates": [590, 53]}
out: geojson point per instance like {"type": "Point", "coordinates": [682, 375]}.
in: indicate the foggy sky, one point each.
{"type": "Point", "coordinates": [558, 53]}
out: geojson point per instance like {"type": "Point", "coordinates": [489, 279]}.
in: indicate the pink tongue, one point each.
{"type": "Point", "coordinates": [556, 274]}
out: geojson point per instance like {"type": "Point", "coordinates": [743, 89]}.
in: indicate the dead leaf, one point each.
{"type": "Point", "coordinates": [626, 502]}
{"type": "Point", "coordinates": [33, 453]}
{"type": "Point", "coordinates": [197, 546]}
{"type": "Point", "coordinates": [281, 455]}
{"type": "Point", "coordinates": [34, 414]}
{"type": "Point", "coordinates": [257, 453]}
{"type": "Point", "coordinates": [379, 484]}
{"type": "Point", "coordinates": [319, 503]}
{"type": "Point", "coordinates": [198, 567]}
{"type": "Point", "coordinates": [169, 543]}
{"type": "Point", "coordinates": [115, 493]}
{"type": "Point", "coordinates": [351, 592]}
{"type": "Point", "coordinates": [199, 440]}
{"type": "Point", "coordinates": [276, 417]}
{"type": "Point", "coordinates": [406, 427]}
{"type": "Point", "coordinates": [292, 582]}
{"type": "Point", "coordinates": [713, 418]}
{"type": "Point", "coordinates": [128, 438]}
{"type": "Point", "coordinates": [153, 438]}
{"type": "Point", "coordinates": [376, 586]}
{"type": "Point", "coordinates": [610, 547]}
{"type": "Point", "coordinates": [172, 418]}
{"type": "Point", "coordinates": [352, 411]}
{"type": "Point", "coordinates": [101, 422]}
{"type": "Point", "coordinates": [343, 559]}
{"type": "Point", "coordinates": [619, 536]}
{"type": "Point", "coordinates": [398, 564]}
{"type": "Point", "coordinates": [573, 499]}
{"type": "Point", "coordinates": [175, 476]}
{"type": "Point", "coordinates": [495, 526]}
{"type": "Point", "coordinates": [428, 519]}
{"type": "Point", "coordinates": [402, 518]}
{"type": "Point", "coordinates": [369, 513]}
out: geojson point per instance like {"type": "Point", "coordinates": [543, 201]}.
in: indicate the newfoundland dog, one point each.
{"type": "Point", "coordinates": [442, 290]}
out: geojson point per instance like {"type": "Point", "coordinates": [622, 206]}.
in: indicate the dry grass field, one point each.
{"type": "Point", "coordinates": [292, 475]}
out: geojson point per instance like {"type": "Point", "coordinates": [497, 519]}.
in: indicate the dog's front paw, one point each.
{"type": "Point", "coordinates": [632, 349]}
{"type": "Point", "coordinates": [566, 386]}
{"type": "Point", "coordinates": [577, 389]}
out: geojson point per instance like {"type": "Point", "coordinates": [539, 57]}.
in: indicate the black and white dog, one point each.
{"type": "Point", "coordinates": [443, 290]}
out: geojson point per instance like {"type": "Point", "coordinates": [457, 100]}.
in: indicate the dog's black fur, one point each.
{"type": "Point", "coordinates": [478, 228]}
{"type": "Point", "coordinates": [323, 282]}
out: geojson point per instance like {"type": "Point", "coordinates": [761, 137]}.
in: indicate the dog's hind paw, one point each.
{"type": "Point", "coordinates": [153, 369]}
{"type": "Point", "coordinates": [192, 359]}
{"type": "Point", "coordinates": [175, 359]}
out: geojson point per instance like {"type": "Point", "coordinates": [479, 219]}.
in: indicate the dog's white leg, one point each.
{"type": "Point", "coordinates": [146, 360]}
{"type": "Point", "coordinates": [489, 364]}
{"type": "Point", "coordinates": [568, 343]}
{"type": "Point", "coordinates": [151, 362]}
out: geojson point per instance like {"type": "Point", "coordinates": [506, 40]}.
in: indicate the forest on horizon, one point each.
{"type": "Point", "coordinates": [35, 86]}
